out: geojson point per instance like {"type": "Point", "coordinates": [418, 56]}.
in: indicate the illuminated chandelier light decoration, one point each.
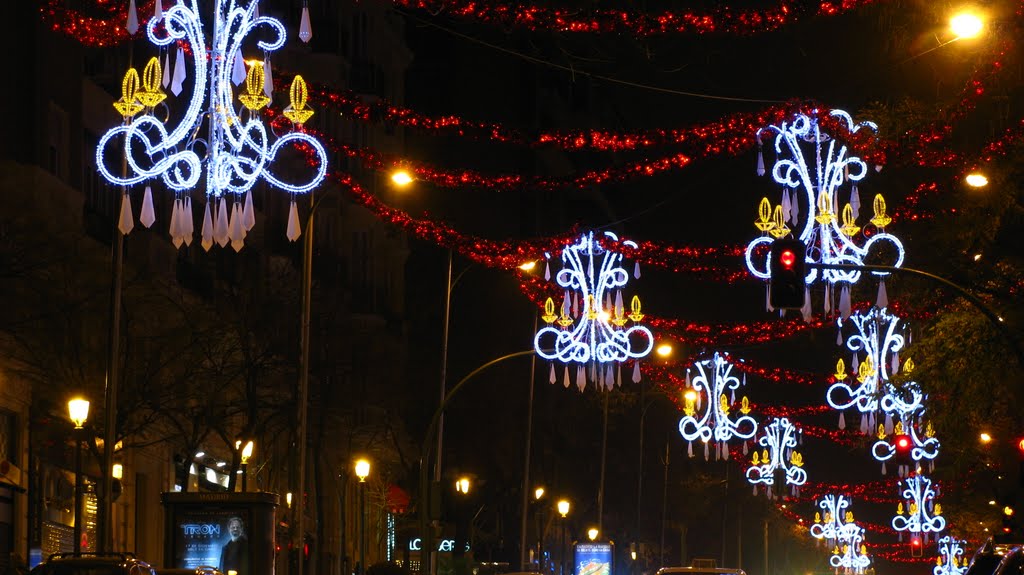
{"type": "Point", "coordinates": [838, 530]}
{"type": "Point", "coordinates": [778, 458]}
{"type": "Point", "coordinates": [831, 518]}
{"type": "Point", "coordinates": [813, 168]}
{"type": "Point", "coordinates": [878, 335]}
{"type": "Point", "coordinates": [922, 515]}
{"type": "Point", "coordinates": [713, 380]}
{"type": "Point", "coordinates": [951, 560]}
{"type": "Point", "coordinates": [590, 327]}
{"type": "Point", "coordinates": [235, 151]}
{"type": "Point", "coordinates": [923, 445]}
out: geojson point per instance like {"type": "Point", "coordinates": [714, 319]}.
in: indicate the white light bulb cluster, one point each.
{"type": "Point", "coordinates": [707, 407]}
{"type": "Point", "coordinates": [237, 148]}
{"type": "Point", "coordinates": [592, 328]}
{"type": "Point", "coordinates": [778, 457]}
{"type": "Point", "coordinates": [814, 169]}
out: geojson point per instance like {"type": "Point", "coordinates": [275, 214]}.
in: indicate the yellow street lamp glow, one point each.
{"type": "Point", "coordinates": [1008, 511]}
{"type": "Point", "coordinates": [592, 533]}
{"type": "Point", "coordinates": [78, 411]}
{"type": "Point", "coordinates": [563, 507]}
{"type": "Point", "coordinates": [117, 472]}
{"type": "Point", "coordinates": [976, 180]}
{"type": "Point", "coordinates": [664, 350]}
{"type": "Point", "coordinates": [538, 493]}
{"type": "Point", "coordinates": [247, 451]}
{"type": "Point", "coordinates": [985, 437]}
{"type": "Point", "coordinates": [992, 502]}
{"type": "Point", "coordinates": [362, 469]}
{"type": "Point", "coordinates": [401, 178]}
{"type": "Point", "coordinates": [966, 25]}
{"type": "Point", "coordinates": [632, 555]}
{"type": "Point", "coordinates": [462, 485]}
{"type": "Point", "coordinates": [288, 499]}
{"type": "Point", "coordinates": [527, 266]}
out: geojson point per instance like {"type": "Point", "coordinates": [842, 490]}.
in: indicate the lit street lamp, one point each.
{"type": "Point", "coordinates": [362, 472]}
{"type": "Point", "coordinates": [538, 494]}
{"type": "Point", "coordinates": [245, 456]}
{"type": "Point", "coordinates": [78, 412]}
{"type": "Point", "coordinates": [563, 510]}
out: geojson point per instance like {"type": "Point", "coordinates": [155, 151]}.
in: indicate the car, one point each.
{"type": "Point", "coordinates": [997, 559]}
{"type": "Point", "coordinates": [93, 564]}
{"type": "Point", "coordinates": [699, 571]}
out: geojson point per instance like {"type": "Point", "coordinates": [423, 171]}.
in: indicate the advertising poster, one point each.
{"type": "Point", "coordinates": [593, 559]}
{"type": "Point", "coordinates": [216, 538]}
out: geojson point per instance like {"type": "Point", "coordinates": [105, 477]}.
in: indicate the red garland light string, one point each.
{"type": "Point", "coordinates": [103, 26]}
{"type": "Point", "coordinates": [722, 20]}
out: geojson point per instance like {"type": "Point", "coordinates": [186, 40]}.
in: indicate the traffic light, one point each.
{"type": "Point", "coordinates": [916, 548]}
{"type": "Point", "coordinates": [787, 268]}
{"type": "Point", "coordinates": [903, 445]}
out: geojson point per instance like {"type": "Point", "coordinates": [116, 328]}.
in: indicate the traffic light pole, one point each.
{"type": "Point", "coordinates": [973, 299]}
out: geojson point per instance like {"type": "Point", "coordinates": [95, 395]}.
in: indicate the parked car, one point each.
{"type": "Point", "coordinates": [93, 564]}
{"type": "Point", "coordinates": [997, 559]}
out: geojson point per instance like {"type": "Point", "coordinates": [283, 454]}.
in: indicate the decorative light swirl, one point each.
{"type": "Point", "coordinates": [597, 332]}
{"type": "Point", "coordinates": [779, 439]}
{"type": "Point", "coordinates": [925, 444]}
{"type": "Point", "coordinates": [713, 380]}
{"type": "Point", "coordinates": [921, 514]}
{"type": "Point", "coordinates": [829, 239]}
{"type": "Point", "coordinates": [877, 337]}
{"type": "Point", "coordinates": [827, 523]}
{"type": "Point", "coordinates": [951, 560]}
{"type": "Point", "coordinates": [236, 149]}
{"type": "Point", "coordinates": [852, 556]}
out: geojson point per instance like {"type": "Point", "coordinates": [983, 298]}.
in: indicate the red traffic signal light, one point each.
{"type": "Point", "coordinates": [916, 549]}
{"type": "Point", "coordinates": [786, 267]}
{"type": "Point", "coordinates": [902, 443]}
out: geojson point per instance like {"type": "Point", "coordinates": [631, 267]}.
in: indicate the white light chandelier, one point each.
{"type": "Point", "coordinates": [951, 560]}
{"type": "Point", "coordinates": [818, 175]}
{"type": "Point", "coordinates": [231, 146]}
{"type": "Point", "coordinates": [878, 338]}
{"type": "Point", "coordinates": [922, 515]}
{"type": "Point", "coordinates": [778, 458]}
{"type": "Point", "coordinates": [839, 531]}
{"type": "Point", "coordinates": [708, 389]}
{"type": "Point", "coordinates": [592, 328]}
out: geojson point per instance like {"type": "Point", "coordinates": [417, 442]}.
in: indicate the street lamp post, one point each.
{"type": "Point", "coordinates": [538, 493]}
{"type": "Point", "coordinates": [246, 454]}
{"type": "Point", "coordinates": [563, 510]}
{"type": "Point", "coordinates": [362, 472]}
{"type": "Point", "coordinates": [78, 412]}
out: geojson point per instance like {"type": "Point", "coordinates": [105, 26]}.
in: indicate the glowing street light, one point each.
{"type": "Point", "coordinates": [976, 180]}
{"type": "Point", "coordinates": [401, 178]}
{"type": "Point", "coordinates": [528, 266]}
{"type": "Point", "coordinates": [664, 350]}
{"type": "Point", "coordinates": [966, 25]}
{"type": "Point", "coordinates": [78, 413]}
{"type": "Point", "coordinates": [985, 437]}
{"type": "Point", "coordinates": [538, 493]}
{"type": "Point", "coordinates": [362, 472]}
{"type": "Point", "coordinates": [563, 507]}
{"type": "Point", "coordinates": [462, 485]}
{"type": "Point", "coordinates": [592, 533]}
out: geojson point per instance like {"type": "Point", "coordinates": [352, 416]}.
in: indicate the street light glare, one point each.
{"type": "Point", "coordinates": [592, 533]}
{"type": "Point", "coordinates": [976, 180]}
{"type": "Point", "coordinates": [78, 411]}
{"type": "Point", "coordinates": [362, 469]}
{"type": "Point", "coordinates": [527, 266]}
{"type": "Point", "coordinates": [401, 178]}
{"type": "Point", "coordinates": [664, 350]}
{"type": "Point", "coordinates": [538, 493]}
{"type": "Point", "coordinates": [966, 25]}
{"type": "Point", "coordinates": [985, 437]}
{"type": "Point", "coordinates": [563, 507]}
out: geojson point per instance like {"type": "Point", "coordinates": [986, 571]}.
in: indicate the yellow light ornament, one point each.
{"type": "Point", "coordinates": [881, 431]}
{"type": "Point", "coordinates": [127, 106]}
{"type": "Point", "coordinates": [825, 214]}
{"type": "Point", "coordinates": [937, 510]}
{"type": "Point", "coordinates": [744, 405]}
{"type": "Point", "coordinates": [908, 366]}
{"type": "Point", "coordinates": [881, 219]}
{"type": "Point", "coordinates": [549, 311]}
{"type": "Point", "coordinates": [899, 509]}
{"type": "Point", "coordinates": [817, 517]}
{"type": "Point", "coordinates": [938, 561]}
{"type": "Point", "coordinates": [150, 95]}
{"type": "Point", "coordinates": [723, 403]}
{"type": "Point", "coordinates": [591, 307]}
{"type": "Point", "coordinates": [779, 229]}
{"type": "Point", "coordinates": [764, 216]}
{"type": "Point", "coordinates": [898, 429]}
{"type": "Point", "coordinates": [755, 460]}
{"type": "Point", "coordinates": [634, 306]}
{"type": "Point", "coordinates": [849, 516]}
{"type": "Point", "coordinates": [929, 431]}
{"type": "Point", "coordinates": [253, 98]}
{"type": "Point", "coordinates": [866, 370]}
{"type": "Point", "coordinates": [840, 373]}
{"type": "Point", "coordinates": [689, 408]}
{"type": "Point", "coordinates": [913, 509]}
{"type": "Point", "coordinates": [849, 227]}
{"type": "Point", "coordinates": [297, 111]}
{"type": "Point", "coordinates": [796, 459]}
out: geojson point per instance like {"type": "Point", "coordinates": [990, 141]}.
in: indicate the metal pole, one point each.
{"type": "Point", "coordinates": [640, 469]}
{"type": "Point", "coordinates": [78, 492]}
{"type": "Point", "coordinates": [526, 459]}
{"type": "Point", "coordinates": [765, 572]}
{"type": "Point", "coordinates": [561, 570]}
{"type": "Point", "coordinates": [604, 458]}
{"type": "Point", "coordinates": [664, 512]}
{"type": "Point", "coordinates": [427, 553]}
{"type": "Point", "coordinates": [362, 528]}
{"type": "Point", "coordinates": [298, 507]}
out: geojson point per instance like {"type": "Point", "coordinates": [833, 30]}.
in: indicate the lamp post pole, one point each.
{"type": "Point", "coordinates": [362, 472]}
{"type": "Point", "coordinates": [78, 412]}
{"type": "Point", "coordinates": [427, 553]}
{"type": "Point", "coordinates": [563, 510]}
{"type": "Point", "coordinates": [526, 460]}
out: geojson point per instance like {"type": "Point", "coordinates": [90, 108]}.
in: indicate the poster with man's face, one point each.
{"type": "Point", "coordinates": [215, 538]}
